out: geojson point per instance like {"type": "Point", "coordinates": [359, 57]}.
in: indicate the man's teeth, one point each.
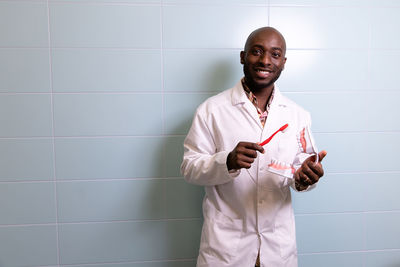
{"type": "Point", "coordinates": [264, 71]}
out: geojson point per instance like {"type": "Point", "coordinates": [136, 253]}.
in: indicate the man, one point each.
{"type": "Point", "coordinates": [248, 216]}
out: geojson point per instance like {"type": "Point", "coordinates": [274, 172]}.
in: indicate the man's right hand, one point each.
{"type": "Point", "coordinates": [243, 155]}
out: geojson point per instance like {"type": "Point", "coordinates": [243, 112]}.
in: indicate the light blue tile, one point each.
{"type": "Point", "coordinates": [383, 116]}
{"type": "Point", "coordinates": [329, 233]}
{"type": "Point", "coordinates": [359, 111]}
{"type": "Point", "coordinates": [112, 1]}
{"type": "Point", "coordinates": [31, 64]}
{"type": "Point", "coordinates": [96, 158]}
{"type": "Point", "coordinates": [360, 152]}
{"type": "Point", "coordinates": [221, 29]}
{"type": "Point", "coordinates": [28, 246]}
{"type": "Point", "coordinates": [318, 27]}
{"type": "Point", "coordinates": [180, 109]}
{"type": "Point", "coordinates": [214, 70]}
{"type": "Point", "coordinates": [351, 259]}
{"type": "Point", "coordinates": [224, 2]}
{"type": "Point", "coordinates": [104, 25]}
{"type": "Point", "coordinates": [386, 23]}
{"type": "Point", "coordinates": [384, 70]}
{"type": "Point", "coordinates": [107, 114]}
{"type": "Point", "coordinates": [381, 191]}
{"type": "Point", "coordinates": [183, 238]}
{"type": "Point", "coordinates": [24, 203]}
{"type": "Point", "coordinates": [26, 159]}
{"type": "Point", "coordinates": [110, 200]}
{"type": "Point", "coordinates": [327, 117]}
{"type": "Point", "coordinates": [382, 230]}
{"type": "Point", "coordinates": [129, 241]}
{"type": "Point", "coordinates": [319, 70]}
{"type": "Point", "coordinates": [382, 259]}
{"type": "Point", "coordinates": [343, 3]}
{"type": "Point", "coordinates": [183, 200]}
{"type": "Point", "coordinates": [23, 24]}
{"type": "Point", "coordinates": [83, 70]}
{"type": "Point", "coordinates": [25, 115]}
{"type": "Point", "coordinates": [171, 263]}
{"type": "Point", "coordinates": [173, 155]}
{"type": "Point", "coordinates": [334, 193]}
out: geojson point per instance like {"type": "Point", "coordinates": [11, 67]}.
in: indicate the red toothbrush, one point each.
{"type": "Point", "coordinates": [282, 129]}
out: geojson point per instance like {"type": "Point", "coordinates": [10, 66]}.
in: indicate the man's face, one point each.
{"type": "Point", "coordinates": [263, 59]}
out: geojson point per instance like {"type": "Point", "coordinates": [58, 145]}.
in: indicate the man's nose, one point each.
{"type": "Point", "coordinates": [265, 59]}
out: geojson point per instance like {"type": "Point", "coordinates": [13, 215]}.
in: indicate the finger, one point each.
{"type": "Point", "coordinates": [244, 158]}
{"type": "Point", "coordinates": [249, 152]}
{"type": "Point", "coordinates": [255, 146]}
{"type": "Point", "coordinates": [316, 168]}
{"type": "Point", "coordinates": [314, 177]}
{"type": "Point", "coordinates": [322, 155]}
{"type": "Point", "coordinates": [304, 179]}
{"type": "Point", "coordinates": [243, 164]}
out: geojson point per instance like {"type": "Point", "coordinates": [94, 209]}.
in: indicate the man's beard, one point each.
{"type": "Point", "coordinates": [257, 87]}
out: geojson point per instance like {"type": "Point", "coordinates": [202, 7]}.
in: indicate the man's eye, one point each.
{"type": "Point", "coordinates": [257, 52]}
{"type": "Point", "coordinates": [276, 54]}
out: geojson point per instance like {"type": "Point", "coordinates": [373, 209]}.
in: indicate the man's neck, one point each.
{"type": "Point", "coordinates": [262, 94]}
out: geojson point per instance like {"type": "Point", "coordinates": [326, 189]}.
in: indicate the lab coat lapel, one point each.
{"type": "Point", "coordinates": [239, 97]}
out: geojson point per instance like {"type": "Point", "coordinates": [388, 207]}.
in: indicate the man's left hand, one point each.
{"type": "Point", "coordinates": [310, 172]}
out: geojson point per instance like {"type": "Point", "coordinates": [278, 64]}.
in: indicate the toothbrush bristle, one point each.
{"type": "Point", "coordinates": [284, 127]}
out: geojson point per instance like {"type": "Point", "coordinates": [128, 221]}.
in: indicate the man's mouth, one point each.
{"type": "Point", "coordinates": [263, 73]}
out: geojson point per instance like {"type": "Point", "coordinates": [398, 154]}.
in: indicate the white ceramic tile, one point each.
{"type": "Point", "coordinates": [24, 203]}
{"type": "Point", "coordinates": [23, 24]}
{"type": "Point", "coordinates": [223, 28]}
{"type": "Point", "coordinates": [107, 114]}
{"type": "Point", "coordinates": [26, 159]}
{"type": "Point", "coordinates": [329, 233]}
{"type": "Point", "coordinates": [384, 29]}
{"type": "Point", "coordinates": [31, 64]}
{"type": "Point", "coordinates": [180, 109]}
{"type": "Point", "coordinates": [382, 230]}
{"type": "Point", "coordinates": [104, 25]}
{"type": "Point", "coordinates": [25, 115]}
{"type": "Point", "coordinates": [384, 70]}
{"type": "Point", "coordinates": [129, 241]}
{"type": "Point", "coordinates": [88, 70]}
{"type": "Point", "coordinates": [360, 152]}
{"type": "Point", "coordinates": [325, 70]}
{"type": "Point", "coordinates": [201, 70]}
{"type": "Point", "coordinates": [98, 158]}
{"type": "Point", "coordinates": [318, 27]}
{"type": "Point", "coordinates": [28, 246]}
{"type": "Point", "coordinates": [82, 201]}
{"type": "Point", "coordinates": [334, 193]}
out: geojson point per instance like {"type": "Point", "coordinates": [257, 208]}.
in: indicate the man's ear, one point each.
{"type": "Point", "coordinates": [242, 55]}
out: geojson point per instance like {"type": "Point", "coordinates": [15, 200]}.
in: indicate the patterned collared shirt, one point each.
{"type": "Point", "coordinates": [253, 99]}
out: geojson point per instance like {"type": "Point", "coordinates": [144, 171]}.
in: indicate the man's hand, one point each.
{"type": "Point", "coordinates": [310, 172]}
{"type": "Point", "coordinates": [243, 155]}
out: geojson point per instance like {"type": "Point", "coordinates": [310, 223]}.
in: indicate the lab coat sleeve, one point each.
{"type": "Point", "coordinates": [301, 156]}
{"type": "Point", "coordinates": [202, 164]}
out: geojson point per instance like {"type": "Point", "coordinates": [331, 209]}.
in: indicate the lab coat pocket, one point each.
{"type": "Point", "coordinates": [220, 235]}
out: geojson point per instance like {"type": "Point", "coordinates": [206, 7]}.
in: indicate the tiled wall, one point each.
{"type": "Point", "coordinates": [96, 97]}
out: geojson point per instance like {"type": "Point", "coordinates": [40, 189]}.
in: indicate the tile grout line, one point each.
{"type": "Point", "coordinates": [164, 185]}
{"type": "Point", "coordinates": [364, 216]}
{"type": "Point", "coordinates": [53, 132]}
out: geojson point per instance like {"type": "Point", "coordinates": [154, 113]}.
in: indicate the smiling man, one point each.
{"type": "Point", "coordinates": [248, 215]}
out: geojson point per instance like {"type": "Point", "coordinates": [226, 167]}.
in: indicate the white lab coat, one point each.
{"type": "Point", "coordinates": [248, 209]}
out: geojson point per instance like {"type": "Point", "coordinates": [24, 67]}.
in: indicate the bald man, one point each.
{"type": "Point", "coordinates": [248, 215]}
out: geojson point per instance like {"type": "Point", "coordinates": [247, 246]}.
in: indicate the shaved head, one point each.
{"type": "Point", "coordinates": [264, 30]}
